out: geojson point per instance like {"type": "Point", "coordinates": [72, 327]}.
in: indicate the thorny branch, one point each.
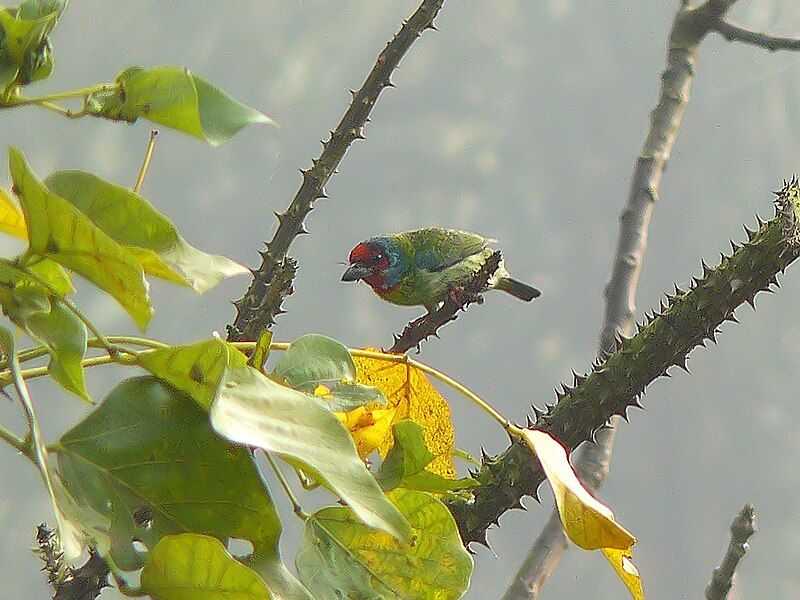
{"type": "Point", "coordinates": [691, 25]}
{"type": "Point", "coordinates": [428, 325]}
{"type": "Point", "coordinates": [83, 583]}
{"type": "Point", "coordinates": [262, 302]}
{"type": "Point", "coordinates": [742, 529]}
{"type": "Point", "coordinates": [686, 320]}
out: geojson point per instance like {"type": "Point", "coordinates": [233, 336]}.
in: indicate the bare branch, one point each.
{"type": "Point", "coordinates": [736, 33]}
{"type": "Point", "coordinates": [593, 460]}
{"type": "Point", "coordinates": [742, 529]}
{"type": "Point", "coordinates": [428, 325]}
{"type": "Point", "coordinates": [691, 25]}
{"type": "Point", "coordinates": [252, 310]}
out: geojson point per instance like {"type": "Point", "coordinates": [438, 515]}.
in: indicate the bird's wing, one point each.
{"type": "Point", "coordinates": [437, 249]}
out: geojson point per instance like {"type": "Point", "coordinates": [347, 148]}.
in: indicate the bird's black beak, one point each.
{"type": "Point", "coordinates": [355, 272]}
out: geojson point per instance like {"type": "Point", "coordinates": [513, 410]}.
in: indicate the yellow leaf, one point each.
{"type": "Point", "coordinates": [587, 522]}
{"type": "Point", "coordinates": [368, 426]}
{"type": "Point", "coordinates": [622, 563]}
{"type": "Point", "coordinates": [12, 221]}
{"type": "Point", "coordinates": [408, 390]}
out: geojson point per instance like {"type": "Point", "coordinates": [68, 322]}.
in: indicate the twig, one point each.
{"type": "Point", "coordinates": [13, 440]}
{"type": "Point", "coordinates": [252, 310]}
{"type": "Point", "coordinates": [742, 528]}
{"type": "Point", "coordinates": [146, 162]}
{"type": "Point", "coordinates": [296, 508]}
{"type": "Point", "coordinates": [687, 319]}
{"type": "Point", "coordinates": [736, 33]}
{"type": "Point", "coordinates": [421, 329]}
{"type": "Point", "coordinates": [690, 27]}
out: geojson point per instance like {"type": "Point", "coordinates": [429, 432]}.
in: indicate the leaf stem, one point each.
{"type": "Point", "coordinates": [38, 351]}
{"type": "Point", "coordinates": [78, 93]}
{"type": "Point", "coordinates": [33, 442]}
{"type": "Point", "coordinates": [146, 163]}
{"type": "Point", "coordinates": [298, 510]}
{"type": "Point", "coordinates": [107, 359]}
{"type": "Point", "coordinates": [12, 439]}
{"type": "Point", "coordinates": [64, 112]}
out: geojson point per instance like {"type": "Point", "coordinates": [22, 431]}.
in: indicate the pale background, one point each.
{"type": "Point", "coordinates": [520, 120]}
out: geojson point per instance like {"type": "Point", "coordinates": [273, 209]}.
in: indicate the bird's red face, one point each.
{"type": "Point", "coordinates": [368, 261]}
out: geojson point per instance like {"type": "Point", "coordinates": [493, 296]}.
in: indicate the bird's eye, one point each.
{"type": "Point", "coordinates": [378, 257]}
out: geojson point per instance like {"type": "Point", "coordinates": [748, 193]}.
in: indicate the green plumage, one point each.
{"type": "Point", "coordinates": [425, 264]}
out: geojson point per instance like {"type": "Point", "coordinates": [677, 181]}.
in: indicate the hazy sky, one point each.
{"type": "Point", "coordinates": [520, 120]}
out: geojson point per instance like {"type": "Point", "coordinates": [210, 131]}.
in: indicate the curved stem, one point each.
{"type": "Point", "coordinates": [298, 510]}
{"type": "Point", "coordinates": [402, 358]}
{"type": "Point", "coordinates": [107, 359]}
{"type": "Point", "coordinates": [39, 351]}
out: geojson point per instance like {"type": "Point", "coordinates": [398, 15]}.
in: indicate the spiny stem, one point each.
{"type": "Point", "coordinates": [298, 510]}
{"type": "Point", "coordinates": [685, 321]}
{"type": "Point", "coordinates": [272, 280]}
{"type": "Point", "coordinates": [146, 163]}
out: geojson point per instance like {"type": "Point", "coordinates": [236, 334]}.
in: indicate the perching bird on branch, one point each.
{"type": "Point", "coordinates": [421, 267]}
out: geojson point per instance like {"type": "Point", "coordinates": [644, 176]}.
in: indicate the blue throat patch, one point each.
{"type": "Point", "coordinates": [398, 261]}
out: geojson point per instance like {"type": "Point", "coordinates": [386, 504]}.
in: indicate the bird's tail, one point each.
{"type": "Point", "coordinates": [516, 288]}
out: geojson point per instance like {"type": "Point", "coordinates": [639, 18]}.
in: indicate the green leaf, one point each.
{"type": "Point", "coordinates": [315, 360]}
{"type": "Point", "coordinates": [195, 369]}
{"type": "Point", "coordinates": [33, 308]}
{"type": "Point", "coordinates": [54, 275]}
{"type": "Point", "coordinates": [339, 557]}
{"type": "Point", "coordinates": [252, 409]}
{"type": "Point", "coordinates": [405, 464]}
{"type": "Point", "coordinates": [221, 116]}
{"type": "Point", "coordinates": [64, 335]}
{"type": "Point", "coordinates": [189, 566]}
{"type": "Point", "coordinates": [133, 222]}
{"type": "Point", "coordinates": [26, 54]}
{"type": "Point", "coordinates": [147, 459]}
{"type": "Point", "coordinates": [60, 232]}
{"type": "Point", "coordinates": [176, 98]}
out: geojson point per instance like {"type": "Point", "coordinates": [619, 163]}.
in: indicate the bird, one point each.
{"type": "Point", "coordinates": [421, 267]}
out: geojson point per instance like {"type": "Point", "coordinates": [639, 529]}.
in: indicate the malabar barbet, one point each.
{"type": "Point", "coordinates": [421, 267]}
